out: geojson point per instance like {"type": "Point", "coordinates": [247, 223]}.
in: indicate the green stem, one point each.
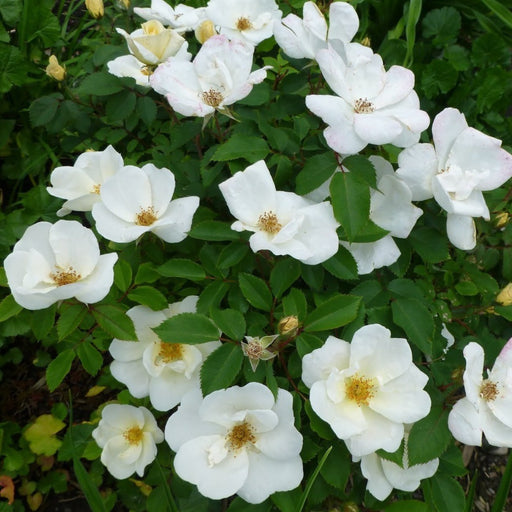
{"type": "Point", "coordinates": [501, 495]}
{"type": "Point", "coordinates": [170, 499]}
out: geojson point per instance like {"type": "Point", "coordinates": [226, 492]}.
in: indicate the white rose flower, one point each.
{"type": "Point", "coordinates": [455, 170]}
{"type": "Point", "coordinates": [128, 437]}
{"type": "Point", "coordinates": [487, 406]}
{"type": "Point", "coordinates": [384, 475]}
{"type": "Point", "coordinates": [219, 76]}
{"type": "Point", "coordinates": [367, 389]}
{"type": "Point", "coordinates": [58, 261]}
{"type": "Point", "coordinates": [181, 18]}
{"type": "Point", "coordinates": [249, 20]}
{"type": "Point", "coordinates": [237, 440]}
{"type": "Point", "coordinates": [138, 200]}
{"type": "Point", "coordinates": [304, 38]}
{"type": "Point", "coordinates": [282, 222]}
{"type": "Point", "coordinates": [153, 43]}
{"type": "Point", "coordinates": [80, 184]}
{"type": "Point", "coordinates": [150, 367]}
{"type": "Point", "coordinates": [372, 106]}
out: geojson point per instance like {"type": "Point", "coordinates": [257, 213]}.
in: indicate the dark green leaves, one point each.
{"type": "Point", "coordinates": [186, 269]}
{"type": "Point", "coordinates": [334, 312]}
{"type": "Point", "coordinates": [59, 368]}
{"type": "Point", "coordinates": [221, 367]}
{"type": "Point", "coordinates": [113, 320]}
{"type": "Point", "coordinates": [255, 291]}
{"type": "Point", "coordinates": [247, 147]}
{"type": "Point", "coordinates": [188, 328]}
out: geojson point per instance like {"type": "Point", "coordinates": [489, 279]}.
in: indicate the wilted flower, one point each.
{"type": "Point", "coordinates": [367, 389]}
{"type": "Point", "coordinates": [80, 184]}
{"type": "Point", "coordinates": [219, 76]}
{"type": "Point", "coordinates": [55, 70]}
{"type": "Point", "coordinates": [505, 296]}
{"type": "Point", "coordinates": [137, 200]}
{"type": "Point", "coordinates": [384, 475]}
{"type": "Point", "coordinates": [128, 437]}
{"type": "Point", "coordinates": [303, 38]}
{"type": "Point", "coordinates": [151, 367]}
{"type": "Point", "coordinates": [372, 106]}
{"type": "Point", "coordinates": [282, 222]}
{"type": "Point", "coordinates": [249, 20]}
{"type": "Point", "coordinates": [58, 261]}
{"type": "Point", "coordinates": [486, 408]}
{"type": "Point", "coordinates": [237, 440]}
{"type": "Point", "coordinates": [461, 164]}
{"type": "Point", "coordinates": [95, 8]}
{"type": "Point", "coordinates": [256, 349]}
{"type": "Point", "coordinates": [181, 18]}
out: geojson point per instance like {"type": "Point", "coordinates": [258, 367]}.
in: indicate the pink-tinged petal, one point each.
{"type": "Point", "coordinates": [173, 226]}
{"type": "Point", "coordinates": [380, 433]}
{"type": "Point", "coordinates": [162, 183]}
{"type": "Point", "coordinates": [374, 353]}
{"type": "Point", "coordinates": [250, 193]}
{"type": "Point", "coordinates": [474, 151]}
{"type": "Point", "coordinates": [317, 365]}
{"type": "Point", "coordinates": [74, 246]}
{"type": "Point", "coordinates": [133, 375]}
{"type": "Point", "coordinates": [378, 485]}
{"type": "Point", "coordinates": [372, 255]}
{"type": "Point", "coordinates": [474, 355]}
{"type": "Point", "coordinates": [417, 165]}
{"type": "Point", "coordinates": [461, 231]}
{"type": "Point", "coordinates": [112, 227]}
{"type": "Point", "coordinates": [267, 476]}
{"type": "Point", "coordinates": [447, 126]}
{"type": "Point", "coordinates": [398, 85]}
{"type": "Point", "coordinates": [377, 128]}
{"type": "Point", "coordinates": [496, 432]}
{"type": "Point", "coordinates": [129, 66]}
{"type": "Point", "coordinates": [343, 21]}
{"type": "Point", "coordinates": [465, 424]}
{"type": "Point", "coordinates": [215, 481]}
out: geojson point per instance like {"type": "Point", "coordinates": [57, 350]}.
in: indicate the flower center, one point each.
{"type": "Point", "coordinates": [62, 277]}
{"type": "Point", "coordinates": [268, 222]}
{"type": "Point", "coordinates": [145, 217]}
{"type": "Point", "coordinates": [254, 349]}
{"type": "Point", "coordinates": [147, 70]}
{"type": "Point", "coordinates": [363, 106]}
{"type": "Point", "coordinates": [489, 390]}
{"type": "Point", "coordinates": [170, 352]}
{"type": "Point", "coordinates": [133, 435]}
{"type": "Point", "coordinates": [212, 97]}
{"type": "Point", "coordinates": [243, 24]}
{"type": "Point", "coordinates": [240, 435]}
{"type": "Point", "coordinates": [96, 189]}
{"type": "Point", "coordinates": [359, 389]}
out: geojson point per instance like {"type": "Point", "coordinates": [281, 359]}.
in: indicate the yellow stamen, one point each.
{"type": "Point", "coordinates": [240, 435]}
{"type": "Point", "coordinates": [243, 24]}
{"type": "Point", "coordinates": [359, 389]}
{"type": "Point", "coordinates": [96, 189]}
{"type": "Point", "coordinates": [363, 106]}
{"type": "Point", "coordinates": [268, 222]}
{"type": "Point", "coordinates": [170, 352]}
{"type": "Point", "coordinates": [146, 217]}
{"type": "Point", "coordinates": [212, 98]}
{"type": "Point", "coordinates": [62, 277]}
{"type": "Point", "coordinates": [489, 390]}
{"type": "Point", "coordinates": [133, 435]}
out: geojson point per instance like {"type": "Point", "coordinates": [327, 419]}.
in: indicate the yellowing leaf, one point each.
{"type": "Point", "coordinates": [7, 490]}
{"type": "Point", "coordinates": [95, 390]}
{"type": "Point", "coordinates": [41, 435]}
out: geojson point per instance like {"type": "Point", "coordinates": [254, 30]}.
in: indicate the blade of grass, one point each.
{"type": "Point", "coordinates": [413, 16]}
{"type": "Point", "coordinates": [503, 489]}
{"type": "Point", "coordinates": [500, 10]}
{"type": "Point", "coordinates": [471, 494]}
{"type": "Point", "coordinates": [312, 479]}
{"type": "Point", "coordinates": [168, 493]}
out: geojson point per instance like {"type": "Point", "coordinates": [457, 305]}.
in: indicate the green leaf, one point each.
{"type": "Point", "coordinates": [90, 357]}
{"type": "Point", "coordinates": [43, 109]}
{"type": "Point", "coordinates": [316, 171]}
{"type": "Point", "coordinates": [10, 10]}
{"type": "Point", "coordinates": [13, 68]}
{"type": "Point", "coordinates": [214, 231]}
{"type": "Point", "coordinates": [333, 313]}
{"type": "Point", "coordinates": [407, 506]}
{"type": "Point", "coordinates": [500, 10]}
{"type": "Point", "coordinates": [306, 343]}
{"type": "Point", "coordinates": [447, 493]}
{"type": "Point", "coordinates": [283, 275]}
{"type": "Point", "coordinates": [350, 198]}
{"type": "Point", "coordinates": [256, 291]}
{"type": "Point", "coordinates": [100, 83]}
{"type": "Point", "coordinates": [410, 29]}
{"type": "Point", "coordinates": [363, 168]}
{"type": "Point", "coordinates": [295, 304]}
{"type": "Point", "coordinates": [336, 469]}
{"type": "Point", "coordinates": [429, 437]}
{"type": "Point", "coordinates": [221, 367]}
{"type": "Point", "coordinates": [114, 321]}
{"type": "Point", "coordinates": [232, 254]}
{"type": "Point", "coordinates": [438, 76]}
{"type": "Point", "coordinates": [146, 108]}
{"type": "Point", "coordinates": [248, 147]}
{"type": "Point", "coordinates": [88, 487]}
{"type": "Point", "coordinates": [149, 296]}
{"type": "Point", "coordinates": [9, 308]}
{"type": "Point", "coordinates": [59, 368]}
{"type": "Point", "coordinates": [119, 106]}
{"type": "Point", "coordinates": [41, 435]}
{"type": "Point", "coordinates": [188, 328]}
{"type": "Point", "coordinates": [342, 265]}
{"type": "Point", "coordinates": [42, 321]}
{"type": "Point", "coordinates": [146, 273]}
{"type": "Point", "coordinates": [443, 25]}
{"type": "Point", "coordinates": [122, 275]}
{"type": "Point", "coordinates": [429, 244]}
{"type": "Point", "coordinates": [70, 318]}
{"type": "Point", "coordinates": [417, 322]}
{"type": "Point", "coordinates": [230, 322]}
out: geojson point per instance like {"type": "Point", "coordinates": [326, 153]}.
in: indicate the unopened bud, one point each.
{"type": "Point", "coordinates": [288, 325]}
{"type": "Point", "coordinates": [55, 70]}
{"type": "Point", "coordinates": [95, 8]}
{"type": "Point", "coordinates": [204, 31]}
{"type": "Point", "coordinates": [366, 42]}
{"type": "Point", "coordinates": [501, 220]}
{"type": "Point", "coordinates": [505, 296]}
